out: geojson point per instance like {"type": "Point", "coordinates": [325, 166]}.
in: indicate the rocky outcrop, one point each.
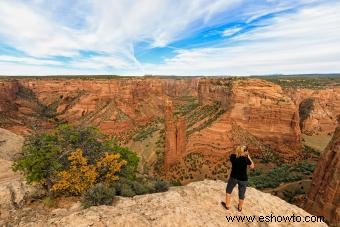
{"type": "Point", "coordinates": [8, 89]}
{"type": "Point", "coordinates": [323, 197]}
{"type": "Point", "coordinates": [196, 204]}
{"type": "Point", "coordinates": [13, 191]}
{"type": "Point", "coordinates": [10, 144]}
{"type": "Point", "coordinates": [325, 105]}
{"type": "Point", "coordinates": [175, 136]}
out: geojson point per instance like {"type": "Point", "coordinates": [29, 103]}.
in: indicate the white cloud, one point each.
{"type": "Point", "coordinates": [307, 41]}
{"type": "Point", "coordinates": [111, 27]}
{"type": "Point", "coordinates": [231, 31]}
{"type": "Point", "coordinates": [27, 60]}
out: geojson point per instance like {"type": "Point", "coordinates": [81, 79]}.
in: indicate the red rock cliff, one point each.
{"type": "Point", "coordinates": [325, 107]}
{"type": "Point", "coordinates": [257, 113]}
{"type": "Point", "coordinates": [324, 195]}
{"type": "Point", "coordinates": [8, 90]}
{"type": "Point", "coordinates": [117, 105]}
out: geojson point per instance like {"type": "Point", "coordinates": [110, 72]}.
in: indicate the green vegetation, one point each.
{"type": "Point", "coordinates": [269, 156]}
{"type": "Point", "coordinates": [129, 188]}
{"type": "Point", "coordinates": [83, 161]}
{"type": "Point", "coordinates": [289, 196]}
{"type": "Point", "coordinates": [98, 195]}
{"type": "Point", "coordinates": [304, 168]}
{"type": "Point", "coordinates": [144, 133]}
{"type": "Point", "coordinates": [191, 103]}
{"type": "Point", "coordinates": [280, 174]}
{"type": "Point", "coordinates": [197, 116]}
{"type": "Point", "coordinates": [158, 166]}
{"type": "Point", "coordinates": [161, 186]}
{"type": "Point", "coordinates": [309, 152]}
{"type": "Point", "coordinates": [204, 115]}
{"type": "Point", "coordinates": [304, 81]}
{"type": "Point", "coordinates": [44, 155]}
{"type": "Point", "coordinates": [196, 166]}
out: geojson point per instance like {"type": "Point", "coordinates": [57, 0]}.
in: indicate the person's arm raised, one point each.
{"type": "Point", "coordinates": [252, 165]}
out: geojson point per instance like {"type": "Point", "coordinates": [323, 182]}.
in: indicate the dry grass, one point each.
{"type": "Point", "coordinates": [317, 142]}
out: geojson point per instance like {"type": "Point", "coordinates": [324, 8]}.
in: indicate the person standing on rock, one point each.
{"type": "Point", "coordinates": [239, 161]}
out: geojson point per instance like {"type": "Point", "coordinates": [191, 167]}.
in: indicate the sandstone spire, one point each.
{"type": "Point", "coordinates": [175, 137]}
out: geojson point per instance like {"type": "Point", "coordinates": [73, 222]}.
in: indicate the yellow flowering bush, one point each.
{"type": "Point", "coordinates": [108, 166]}
{"type": "Point", "coordinates": [81, 176]}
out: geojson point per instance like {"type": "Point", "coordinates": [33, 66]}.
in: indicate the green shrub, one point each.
{"type": "Point", "coordinates": [150, 186]}
{"type": "Point", "coordinates": [129, 170]}
{"type": "Point", "coordinates": [274, 177]}
{"type": "Point", "coordinates": [176, 183]}
{"type": "Point", "coordinates": [270, 156]}
{"type": "Point", "coordinates": [126, 190]}
{"type": "Point", "coordinates": [255, 172]}
{"type": "Point", "coordinates": [161, 186]}
{"type": "Point", "coordinates": [46, 154]}
{"type": "Point", "coordinates": [49, 201]}
{"type": "Point", "coordinates": [139, 188]}
{"type": "Point", "coordinates": [144, 133]}
{"type": "Point", "coordinates": [305, 168]}
{"type": "Point", "coordinates": [117, 186]}
{"type": "Point", "coordinates": [309, 151]}
{"type": "Point", "coordinates": [40, 160]}
{"type": "Point", "coordinates": [98, 195]}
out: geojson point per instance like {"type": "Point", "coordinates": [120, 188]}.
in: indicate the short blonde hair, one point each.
{"type": "Point", "coordinates": [240, 150]}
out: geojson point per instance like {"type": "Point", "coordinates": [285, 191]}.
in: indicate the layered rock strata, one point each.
{"type": "Point", "coordinates": [324, 195]}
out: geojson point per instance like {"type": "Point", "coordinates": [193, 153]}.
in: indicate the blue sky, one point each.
{"type": "Point", "coordinates": [169, 37]}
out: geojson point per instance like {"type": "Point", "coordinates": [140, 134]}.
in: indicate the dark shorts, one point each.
{"type": "Point", "coordinates": [242, 186]}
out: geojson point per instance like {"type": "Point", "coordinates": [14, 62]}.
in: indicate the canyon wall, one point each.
{"type": "Point", "coordinates": [8, 90]}
{"type": "Point", "coordinates": [263, 109]}
{"type": "Point", "coordinates": [324, 195]}
{"type": "Point", "coordinates": [215, 90]}
{"type": "Point", "coordinates": [254, 112]}
{"type": "Point", "coordinates": [257, 114]}
{"type": "Point", "coordinates": [117, 106]}
{"type": "Point", "coordinates": [325, 105]}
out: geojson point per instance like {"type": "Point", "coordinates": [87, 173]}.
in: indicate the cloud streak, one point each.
{"type": "Point", "coordinates": [96, 37]}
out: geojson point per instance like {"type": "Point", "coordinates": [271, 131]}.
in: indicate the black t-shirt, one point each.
{"type": "Point", "coordinates": [239, 167]}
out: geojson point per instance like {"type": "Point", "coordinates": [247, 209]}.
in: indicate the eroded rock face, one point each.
{"type": "Point", "coordinates": [13, 190]}
{"type": "Point", "coordinates": [196, 204]}
{"type": "Point", "coordinates": [8, 89]}
{"type": "Point", "coordinates": [321, 118]}
{"type": "Point", "coordinates": [117, 106]}
{"type": "Point", "coordinates": [257, 113]}
{"type": "Point", "coordinates": [10, 144]}
{"type": "Point", "coordinates": [324, 195]}
{"type": "Point", "coordinates": [266, 112]}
